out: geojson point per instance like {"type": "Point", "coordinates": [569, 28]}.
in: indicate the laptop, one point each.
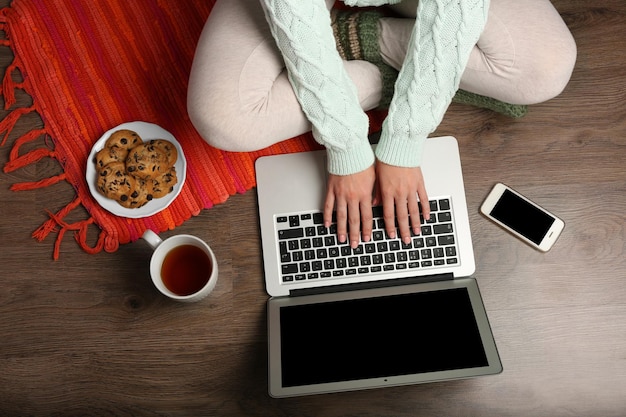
{"type": "Point", "coordinates": [383, 314]}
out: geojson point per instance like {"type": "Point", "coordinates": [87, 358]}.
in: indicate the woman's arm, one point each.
{"type": "Point", "coordinates": [303, 33]}
{"type": "Point", "coordinates": [444, 34]}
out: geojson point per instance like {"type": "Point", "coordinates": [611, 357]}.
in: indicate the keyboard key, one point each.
{"type": "Point", "coordinates": [289, 269]}
{"type": "Point", "coordinates": [290, 233]}
{"type": "Point", "coordinates": [445, 216]}
{"type": "Point", "coordinates": [440, 229]}
{"type": "Point", "coordinates": [446, 240]}
{"type": "Point", "coordinates": [444, 204]}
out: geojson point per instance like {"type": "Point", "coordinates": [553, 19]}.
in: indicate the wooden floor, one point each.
{"type": "Point", "coordinates": [89, 335]}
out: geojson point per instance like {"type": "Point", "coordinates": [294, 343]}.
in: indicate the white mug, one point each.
{"type": "Point", "coordinates": [182, 267]}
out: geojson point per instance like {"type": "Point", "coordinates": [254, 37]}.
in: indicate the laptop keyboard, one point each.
{"type": "Point", "coordinates": [310, 251]}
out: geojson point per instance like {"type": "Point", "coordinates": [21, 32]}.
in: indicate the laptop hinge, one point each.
{"type": "Point", "coordinates": [371, 284]}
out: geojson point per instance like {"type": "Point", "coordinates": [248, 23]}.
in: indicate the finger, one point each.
{"type": "Point", "coordinates": [354, 221]}
{"type": "Point", "coordinates": [402, 215]}
{"type": "Point", "coordinates": [423, 197]}
{"type": "Point", "coordinates": [414, 213]}
{"type": "Point", "coordinates": [389, 216]}
{"type": "Point", "coordinates": [366, 221]}
{"type": "Point", "coordinates": [329, 206]}
{"type": "Point", "coordinates": [342, 221]}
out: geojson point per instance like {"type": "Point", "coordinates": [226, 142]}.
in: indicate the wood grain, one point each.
{"type": "Point", "coordinates": [89, 335]}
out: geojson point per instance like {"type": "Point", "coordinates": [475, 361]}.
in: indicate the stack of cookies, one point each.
{"type": "Point", "coordinates": [133, 172]}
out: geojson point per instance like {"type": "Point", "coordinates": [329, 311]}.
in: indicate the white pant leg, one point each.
{"type": "Point", "coordinates": [525, 55]}
{"type": "Point", "coordinates": [239, 97]}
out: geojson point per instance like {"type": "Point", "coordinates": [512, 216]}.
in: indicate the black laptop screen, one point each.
{"type": "Point", "coordinates": [379, 337]}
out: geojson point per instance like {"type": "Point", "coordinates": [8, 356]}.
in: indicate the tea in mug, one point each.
{"type": "Point", "coordinates": [186, 269]}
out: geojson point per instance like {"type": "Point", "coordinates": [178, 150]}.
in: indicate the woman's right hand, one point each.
{"type": "Point", "coordinates": [351, 197]}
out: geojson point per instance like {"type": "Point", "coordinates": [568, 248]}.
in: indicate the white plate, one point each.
{"type": "Point", "coordinates": [147, 131]}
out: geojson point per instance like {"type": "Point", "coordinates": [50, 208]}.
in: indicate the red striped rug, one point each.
{"type": "Point", "coordinates": [92, 65]}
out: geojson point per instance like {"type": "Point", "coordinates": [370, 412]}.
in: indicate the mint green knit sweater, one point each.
{"type": "Point", "coordinates": [444, 34]}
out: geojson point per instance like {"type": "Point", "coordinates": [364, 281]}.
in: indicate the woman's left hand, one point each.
{"type": "Point", "coordinates": [399, 189]}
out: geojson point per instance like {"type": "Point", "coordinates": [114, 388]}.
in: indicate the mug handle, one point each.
{"type": "Point", "coordinates": [151, 238]}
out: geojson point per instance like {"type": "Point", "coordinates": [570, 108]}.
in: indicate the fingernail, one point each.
{"type": "Point", "coordinates": [354, 244]}
{"type": "Point", "coordinates": [342, 238]}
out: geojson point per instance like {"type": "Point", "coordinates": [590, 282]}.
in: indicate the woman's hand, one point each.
{"type": "Point", "coordinates": [351, 197]}
{"type": "Point", "coordinates": [399, 189]}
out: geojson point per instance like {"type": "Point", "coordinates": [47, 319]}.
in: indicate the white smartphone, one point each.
{"type": "Point", "coordinates": [527, 220]}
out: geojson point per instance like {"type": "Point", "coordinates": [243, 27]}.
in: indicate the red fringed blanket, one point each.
{"type": "Point", "coordinates": [92, 65]}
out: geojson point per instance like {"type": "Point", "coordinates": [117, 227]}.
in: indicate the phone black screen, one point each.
{"type": "Point", "coordinates": [523, 217]}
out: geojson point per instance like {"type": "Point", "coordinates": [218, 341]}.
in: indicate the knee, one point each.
{"type": "Point", "coordinates": [218, 126]}
{"type": "Point", "coordinates": [547, 74]}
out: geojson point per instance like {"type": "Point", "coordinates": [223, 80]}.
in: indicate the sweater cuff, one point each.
{"type": "Point", "coordinates": [402, 152]}
{"type": "Point", "coordinates": [350, 161]}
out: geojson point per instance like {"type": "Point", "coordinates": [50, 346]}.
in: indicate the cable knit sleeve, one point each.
{"type": "Point", "coordinates": [444, 34]}
{"type": "Point", "coordinates": [328, 97]}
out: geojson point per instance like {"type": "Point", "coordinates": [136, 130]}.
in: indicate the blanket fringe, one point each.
{"type": "Point", "coordinates": [8, 123]}
{"type": "Point", "coordinates": [9, 85]}
{"type": "Point", "coordinates": [58, 224]}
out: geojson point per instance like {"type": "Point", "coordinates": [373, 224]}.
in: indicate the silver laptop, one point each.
{"type": "Point", "coordinates": [383, 314]}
